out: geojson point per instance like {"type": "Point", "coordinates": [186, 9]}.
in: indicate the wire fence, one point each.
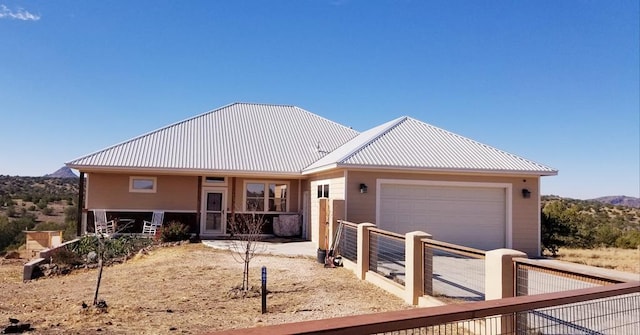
{"type": "Point", "coordinates": [457, 273]}
{"type": "Point", "coordinates": [533, 277]}
{"type": "Point", "coordinates": [349, 241]}
{"type": "Point", "coordinates": [387, 254]}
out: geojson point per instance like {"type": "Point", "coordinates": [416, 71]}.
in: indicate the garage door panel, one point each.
{"type": "Point", "coordinates": [471, 216]}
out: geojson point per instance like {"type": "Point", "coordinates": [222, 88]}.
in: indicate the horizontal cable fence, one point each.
{"type": "Point", "coordinates": [534, 277]}
{"type": "Point", "coordinates": [349, 241]}
{"type": "Point", "coordinates": [615, 315]}
{"type": "Point", "coordinates": [387, 254]}
{"type": "Point", "coordinates": [457, 273]}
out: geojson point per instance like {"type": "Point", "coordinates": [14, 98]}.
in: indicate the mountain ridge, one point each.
{"type": "Point", "coordinates": [63, 172]}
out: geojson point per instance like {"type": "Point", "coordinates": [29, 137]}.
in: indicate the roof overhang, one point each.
{"type": "Point", "coordinates": [184, 172]}
{"type": "Point", "coordinates": [430, 170]}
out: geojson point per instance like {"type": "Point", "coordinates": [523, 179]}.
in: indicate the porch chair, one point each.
{"type": "Point", "coordinates": [102, 225]}
{"type": "Point", "coordinates": [151, 227]}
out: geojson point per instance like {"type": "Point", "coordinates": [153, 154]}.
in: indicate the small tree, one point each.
{"type": "Point", "coordinates": [246, 230]}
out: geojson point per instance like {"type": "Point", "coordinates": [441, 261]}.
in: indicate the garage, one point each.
{"type": "Point", "coordinates": [469, 214]}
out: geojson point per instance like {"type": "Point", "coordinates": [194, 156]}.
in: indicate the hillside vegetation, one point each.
{"type": "Point", "coordinates": [588, 224]}
{"type": "Point", "coordinates": [36, 203]}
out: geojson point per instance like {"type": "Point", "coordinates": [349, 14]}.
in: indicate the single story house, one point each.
{"type": "Point", "coordinates": [279, 160]}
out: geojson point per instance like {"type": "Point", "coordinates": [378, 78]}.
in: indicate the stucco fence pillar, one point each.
{"type": "Point", "coordinates": [362, 265]}
{"type": "Point", "coordinates": [414, 266]}
{"type": "Point", "coordinates": [500, 281]}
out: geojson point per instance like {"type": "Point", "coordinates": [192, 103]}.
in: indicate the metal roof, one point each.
{"type": "Point", "coordinates": [239, 137]}
{"type": "Point", "coordinates": [279, 139]}
{"type": "Point", "coordinates": [411, 144]}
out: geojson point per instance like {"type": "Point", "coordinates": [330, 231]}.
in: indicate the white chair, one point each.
{"type": "Point", "coordinates": [102, 225]}
{"type": "Point", "coordinates": [151, 227]}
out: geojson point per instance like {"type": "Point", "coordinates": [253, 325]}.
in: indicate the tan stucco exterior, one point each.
{"type": "Point", "coordinates": [111, 191]}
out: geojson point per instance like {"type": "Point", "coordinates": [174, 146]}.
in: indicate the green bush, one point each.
{"type": "Point", "coordinates": [629, 240]}
{"type": "Point", "coordinates": [174, 231]}
{"type": "Point", "coordinates": [66, 257]}
{"type": "Point", "coordinates": [113, 248]}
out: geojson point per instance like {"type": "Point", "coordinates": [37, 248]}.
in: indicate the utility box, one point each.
{"type": "Point", "coordinates": [40, 240]}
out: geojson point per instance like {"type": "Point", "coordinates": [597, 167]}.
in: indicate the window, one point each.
{"type": "Point", "coordinates": [214, 180]}
{"type": "Point", "coordinates": [323, 191]}
{"type": "Point", "coordinates": [266, 196]}
{"type": "Point", "coordinates": [142, 184]}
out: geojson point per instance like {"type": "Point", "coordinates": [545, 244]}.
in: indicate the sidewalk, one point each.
{"type": "Point", "coordinates": [287, 248]}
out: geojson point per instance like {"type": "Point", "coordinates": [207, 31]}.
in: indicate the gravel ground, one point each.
{"type": "Point", "coordinates": [186, 289]}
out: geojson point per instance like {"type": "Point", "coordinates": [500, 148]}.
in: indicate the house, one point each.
{"type": "Point", "coordinates": [403, 175]}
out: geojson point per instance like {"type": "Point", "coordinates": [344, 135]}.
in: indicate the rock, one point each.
{"type": "Point", "coordinates": [92, 257]}
{"type": "Point", "coordinates": [17, 329]}
{"type": "Point", "coordinates": [286, 225]}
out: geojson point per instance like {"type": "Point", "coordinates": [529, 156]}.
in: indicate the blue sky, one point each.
{"type": "Point", "coordinates": [556, 82]}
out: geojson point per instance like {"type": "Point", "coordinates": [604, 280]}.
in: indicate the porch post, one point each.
{"type": "Point", "coordinates": [80, 205]}
{"type": "Point", "coordinates": [198, 206]}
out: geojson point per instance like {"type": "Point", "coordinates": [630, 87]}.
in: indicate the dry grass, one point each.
{"type": "Point", "coordinates": [627, 260]}
{"type": "Point", "coordinates": [186, 289]}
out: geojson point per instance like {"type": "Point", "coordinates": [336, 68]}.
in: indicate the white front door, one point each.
{"type": "Point", "coordinates": [214, 218]}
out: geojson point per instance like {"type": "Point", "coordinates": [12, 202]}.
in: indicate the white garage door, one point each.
{"type": "Point", "coordinates": [469, 216]}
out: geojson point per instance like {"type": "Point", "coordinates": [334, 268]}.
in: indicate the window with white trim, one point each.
{"type": "Point", "coordinates": [323, 190]}
{"type": "Point", "coordinates": [266, 196]}
{"type": "Point", "coordinates": [143, 184]}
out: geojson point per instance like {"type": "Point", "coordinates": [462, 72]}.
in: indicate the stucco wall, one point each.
{"type": "Point", "coordinates": [111, 191]}
{"type": "Point", "coordinates": [336, 181]}
{"type": "Point", "coordinates": [524, 213]}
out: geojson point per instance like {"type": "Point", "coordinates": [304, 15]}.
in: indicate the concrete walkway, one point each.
{"type": "Point", "coordinates": [275, 247]}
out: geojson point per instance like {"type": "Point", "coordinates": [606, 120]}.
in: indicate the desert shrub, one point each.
{"type": "Point", "coordinates": [113, 247]}
{"type": "Point", "coordinates": [32, 208]}
{"type": "Point", "coordinates": [66, 257]}
{"type": "Point", "coordinates": [629, 240]}
{"type": "Point", "coordinates": [174, 231]}
{"type": "Point", "coordinates": [47, 210]}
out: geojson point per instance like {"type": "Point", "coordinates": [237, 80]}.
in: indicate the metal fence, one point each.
{"type": "Point", "coordinates": [457, 273]}
{"type": "Point", "coordinates": [534, 277]}
{"type": "Point", "coordinates": [387, 254]}
{"type": "Point", "coordinates": [348, 245]}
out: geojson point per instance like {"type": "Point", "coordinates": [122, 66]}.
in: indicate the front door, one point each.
{"type": "Point", "coordinates": [214, 217]}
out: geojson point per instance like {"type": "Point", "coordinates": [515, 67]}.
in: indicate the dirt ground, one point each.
{"type": "Point", "coordinates": [185, 290]}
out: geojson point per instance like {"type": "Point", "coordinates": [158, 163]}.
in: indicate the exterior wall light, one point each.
{"type": "Point", "coordinates": [363, 188]}
{"type": "Point", "coordinates": [526, 193]}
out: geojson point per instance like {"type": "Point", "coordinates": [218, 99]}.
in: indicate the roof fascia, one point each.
{"type": "Point", "coordinates": [439, 171]}
{"type": "Point", "coordinates": [189, 172]}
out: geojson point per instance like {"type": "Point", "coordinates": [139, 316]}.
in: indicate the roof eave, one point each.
{"type": "Point", "coordinates": [435, 170]}
{"type": "Point", "coordinates": [178, 171]}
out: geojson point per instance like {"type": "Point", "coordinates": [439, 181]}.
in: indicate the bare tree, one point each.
{"type": "Point", "coordinates": [246, 230]}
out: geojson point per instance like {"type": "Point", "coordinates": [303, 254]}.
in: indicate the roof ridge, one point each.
{"type": "Point", "coordinates": [393, 124]}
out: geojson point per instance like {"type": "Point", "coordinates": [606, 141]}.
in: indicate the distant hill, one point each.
{"type": "Point", "coordinates": [63, 172]}
{"type": "Point", "coordinates": [619, 200]}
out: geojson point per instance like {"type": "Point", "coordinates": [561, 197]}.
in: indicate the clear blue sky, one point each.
{"type": "Point", "coordinates": [556, 82]}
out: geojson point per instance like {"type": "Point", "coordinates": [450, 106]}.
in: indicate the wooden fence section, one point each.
{"type": "Point", "coordinates": [493, 317]}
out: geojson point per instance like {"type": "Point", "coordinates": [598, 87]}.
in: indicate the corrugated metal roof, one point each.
{"type": "Point", "coordinates": [412, 144]}
{"type": "Point", "coordinates": [237, 137]}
